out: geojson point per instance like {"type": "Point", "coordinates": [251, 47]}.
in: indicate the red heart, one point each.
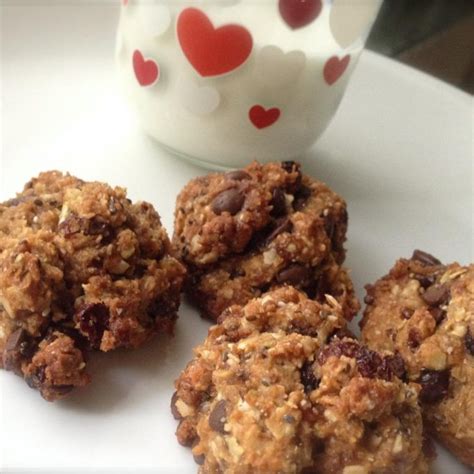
{"type": "Point", "coordinates": [146, 70]}
{"type": "Point", "coordinates": [299, 13]}
{"type": "Point", "coordinates": [334, 68]}
{"type": "Point", "coordinates": [125, 2]}
{"type": "Point", "coordinates": [262, 118]}
{"type": "Point", "coordinates": [212, 51]}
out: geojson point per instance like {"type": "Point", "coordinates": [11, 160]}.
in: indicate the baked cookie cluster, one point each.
{"type": "Point", "coordinates": [424, 312]}
{"type": "Point", "coordinates": [250, 238]}
{"type": "Point", "coordinates": [81, 268]}
{"type": "Point", "coordinates": [277, 386]}
{"type": "Point", "coordinates": [280, 384]}
{"type": "Point", "coordinates": [246, 232]}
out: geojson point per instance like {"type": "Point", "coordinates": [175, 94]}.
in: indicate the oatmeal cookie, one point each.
{"type": "Point", "coordinates": [424, 311]}
{"type": "Point", "coordinates": [245, 232]}
{"type": "Point", "coordinates": [265, 393]}
{"type": "Point", "coordinates": [81, 267]}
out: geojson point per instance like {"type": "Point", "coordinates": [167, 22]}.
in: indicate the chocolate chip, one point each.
{"type": "Point", "coordinates": [283, 224]}
{"type": "Point", "coordinates": [301, 197]}
{"type": "Point", "coordinates": [329, 227]}
{"type": "Point", "coordinates": [407, 313]}
{"type": "Point", "coordinates": [63, 389]}
{"type": "Point", "coordinates": [278, 203]}
{"type": "Point", "coordinates": [438, 314]}
{"type": "Point", "coordinates": [436, 295]}
{"type": "Point", "coordinates": [93, 320]}
{"type": "Point", "coordinates": [425, 258]}
{"type": "Point", "coordinates": [290, 166]}
{"type": "Point", "coordinates": [112, 205]}
{"type": "Point", "coordinates": [217, 417]}
{"type": "Point", "coordinates": [369, 299]}
{"type": "Point", "coordinates": [469, 342]}
{"type": "Point", "coordinates": [317, 447]}
{"type": "Point", "coordinates": [230, 200]}
{"type": "Point", "coordinates": [289, 419]}
{"type": "Point", "coordinates": [425, 280]}
{"type": "Point", "coordinates": [15, 339]}
{"type": "Point", "coordinates": [414, 338]}
{"type": "Point", "coordinates": [199, 459]}
{"type": "Point", "coordinates": [295, 274]}
{"type": "Point", "coordinates": [341, 333]}
{"type": "Point", "coordinates": [308, 379]}
{"type": "Point", "coordinates": [36, 379]}
{"type": "Point", "coordinates": [434, 385]}
{"type": "Point", "coordinates": [174, 408]}
{"type": "Point", "coordinates": [238, 175]}
{"type": "Point", "coordinates": [293, 167]}
{"type": "Point", "coordinates": [19, 346]}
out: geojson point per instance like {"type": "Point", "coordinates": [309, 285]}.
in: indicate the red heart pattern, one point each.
{"type": "Point", "coordinates": [147, 71]}
{"type": "Point", "coordinates": [299, 13]}
{"type": "Point", "coordinates": [262, 118]}
{"type": "Point", "coordinates": [212, 51]}
{"type": "Point", "coordinates": [334, 68]}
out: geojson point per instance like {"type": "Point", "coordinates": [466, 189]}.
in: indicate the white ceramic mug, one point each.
{"type": "Point", "coordinates": [223, 82]}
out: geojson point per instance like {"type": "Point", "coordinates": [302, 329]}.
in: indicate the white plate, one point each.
{"type": "Point", "coordinates": [399, 151]}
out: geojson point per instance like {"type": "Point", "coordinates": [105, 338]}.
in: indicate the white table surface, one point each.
{"type": "Point", "coordinates": [399, 151]}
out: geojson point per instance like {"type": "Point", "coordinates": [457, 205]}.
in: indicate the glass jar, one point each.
{"type": "Point", "coordinates": [223, 82]}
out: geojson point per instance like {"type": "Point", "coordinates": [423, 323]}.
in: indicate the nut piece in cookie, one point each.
{"type": "Point", "coordinates": [424, 311]}
{"type": "Point", "coordinates": [245, 232]}
{"type": "Point", "coordinates": [267, 393]}
{"type": "Point", "coordinates": [81, 268]}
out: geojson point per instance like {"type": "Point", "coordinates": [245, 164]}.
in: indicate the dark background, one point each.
{"type": "Point", "coordinates": [436, 36]}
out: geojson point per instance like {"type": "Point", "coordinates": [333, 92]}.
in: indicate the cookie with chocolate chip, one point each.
{"type": "Point", "coordinates": [82, 268]}
{"type": "Point", "coordinates": [424, 311]}
{"type": "Point", "coordinates": [278, 387]}
{"type": "Point", "coordinates": [245, 232]}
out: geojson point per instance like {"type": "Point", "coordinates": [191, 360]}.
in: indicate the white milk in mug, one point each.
{"type": "Point", "coordinates": [224, 82]}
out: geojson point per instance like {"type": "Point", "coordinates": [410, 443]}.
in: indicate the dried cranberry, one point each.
{"type": "Point", "coordinates": [392, 366]}
{"type": "Point", "coordinates": [368, 362]}
{"type": "Point", "coordinates": [93, 320]}
{"type": "Point", "coordinates": [338, 348]}
{"type": "Point", "coordinates": [434, 385]}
